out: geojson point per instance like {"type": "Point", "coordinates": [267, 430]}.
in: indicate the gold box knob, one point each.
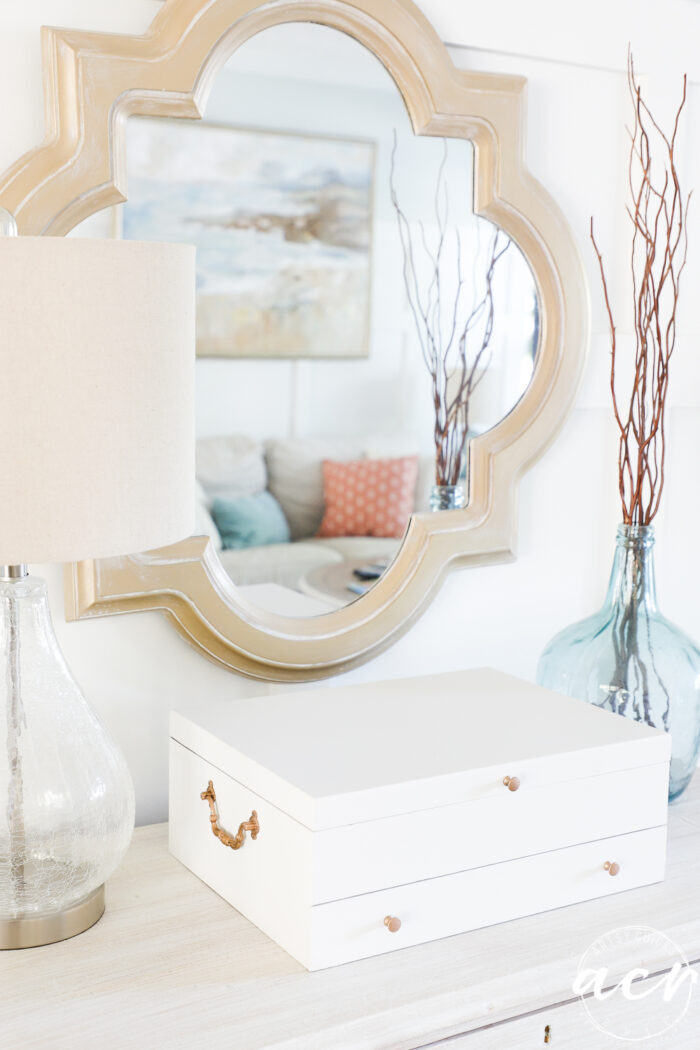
{"type": "Point", "coordinates": [512, 783]}
{"type": "Point", "coordinates": [392, 924]}
{"type": "Point", "coordinates": [612, 867]}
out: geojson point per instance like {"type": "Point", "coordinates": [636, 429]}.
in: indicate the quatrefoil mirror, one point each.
{"type": "Point", "coordinates": [370, 251]}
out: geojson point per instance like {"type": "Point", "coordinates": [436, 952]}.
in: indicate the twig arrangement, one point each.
{"type": "Point", "coordinates": [446, 321]}
{"type": "Point", "coordinates": [658, 213]}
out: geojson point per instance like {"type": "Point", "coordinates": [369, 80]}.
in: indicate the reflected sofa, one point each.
{"type": "Point", "coordinates": [231, 466]}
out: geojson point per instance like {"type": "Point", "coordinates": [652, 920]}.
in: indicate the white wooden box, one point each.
{"type": "Point", "coordinates": [388, 799]}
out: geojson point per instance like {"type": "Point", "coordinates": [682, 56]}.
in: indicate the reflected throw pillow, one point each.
{"type": "Point", "coordinates": [295, 477]}
{"type": "Point", "coordinates": [250, 521]}
{"type": "Point", "coordinates": [368, 497]}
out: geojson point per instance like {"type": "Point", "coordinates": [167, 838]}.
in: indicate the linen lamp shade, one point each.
{"type": "Point", "coordinates": [97, 417]}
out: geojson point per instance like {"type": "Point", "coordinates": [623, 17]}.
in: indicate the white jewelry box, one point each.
{"type": "Point", "coordinates": [353, 820]}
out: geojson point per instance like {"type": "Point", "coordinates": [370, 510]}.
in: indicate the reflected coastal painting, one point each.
{"type": "Point", "coordinates": [282, 224]}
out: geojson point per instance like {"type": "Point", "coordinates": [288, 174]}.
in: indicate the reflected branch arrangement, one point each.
{"type": "Point", "coordinates": [453, 320]}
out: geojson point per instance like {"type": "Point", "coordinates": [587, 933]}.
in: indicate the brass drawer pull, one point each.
{"type": "Point", "coordinates": [392, 924]}
{"type": "Point", "coordinates": [612, 867]}
{"type": "Point", "coordinates": [234, 841]}
{"type": "Point", "coordinates": [512, 783]}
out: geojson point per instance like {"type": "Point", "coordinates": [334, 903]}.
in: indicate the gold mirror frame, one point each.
{"type": "Point", "coordinates": [93, 83]}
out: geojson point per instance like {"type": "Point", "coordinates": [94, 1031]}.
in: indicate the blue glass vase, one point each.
{"type": "Point", "coordinates": [630, 659]}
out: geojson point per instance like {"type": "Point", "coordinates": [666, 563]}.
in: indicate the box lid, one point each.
{"type": "Point", "coordinates": [344, 754]}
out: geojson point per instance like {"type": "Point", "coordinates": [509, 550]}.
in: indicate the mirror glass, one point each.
{"type": "Point", "coordinates": [337, 257]}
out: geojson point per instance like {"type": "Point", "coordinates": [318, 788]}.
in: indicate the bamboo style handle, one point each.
{"type": "Point", "coordinates": [233, 841]}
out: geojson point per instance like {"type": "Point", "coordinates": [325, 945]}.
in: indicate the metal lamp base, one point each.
{"type": "Point", "coordinates": [30, 933]}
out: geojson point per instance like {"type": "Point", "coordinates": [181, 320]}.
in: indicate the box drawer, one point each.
{"type": "Point", "coordinates": [354, 928]}
{"type": "Point", "coordinates": [501, 825]}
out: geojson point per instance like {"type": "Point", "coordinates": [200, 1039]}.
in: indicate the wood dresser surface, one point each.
{"type": "Point", "coordinates": [172, 965]}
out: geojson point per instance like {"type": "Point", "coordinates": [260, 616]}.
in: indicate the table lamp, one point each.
{"type": "Point", "coordinates": [96, 459]}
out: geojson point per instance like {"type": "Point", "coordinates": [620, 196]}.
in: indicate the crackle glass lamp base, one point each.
{"type": "Point", "coordinates": [66, 798]}
{"type": "Point", "coordinates": [30, 933]}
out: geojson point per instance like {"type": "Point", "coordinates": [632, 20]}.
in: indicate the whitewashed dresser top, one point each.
{"type": "Point", "coordinates": [172, 965]}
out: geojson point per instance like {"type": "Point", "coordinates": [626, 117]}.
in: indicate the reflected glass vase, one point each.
{"type": "Point", "coordinates": [630, 659]}
{"type": "Point", "coordinates": [66, 797]}
{"type": "Point", "coordinates": [447, 497]}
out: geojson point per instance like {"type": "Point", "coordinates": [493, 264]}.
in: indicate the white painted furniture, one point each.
{"type": "Point", "coordinates": [171, 966]}
{"type": "Point", "coordinates": [447, 803]}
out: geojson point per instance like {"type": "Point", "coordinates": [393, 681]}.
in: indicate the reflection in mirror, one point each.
{"type": "Point", "coordinates": [315, 411]}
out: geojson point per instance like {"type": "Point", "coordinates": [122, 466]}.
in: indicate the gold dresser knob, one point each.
{"type": "Point", "coordinates": [392, 924]}
{"type": "Point", "coordinates": [612, 867]}
{"type": "Point", "coordinates": [512, 783]}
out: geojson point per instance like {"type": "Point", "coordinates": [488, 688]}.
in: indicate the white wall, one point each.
{"type": "Point", "coordinates": [134, 668]}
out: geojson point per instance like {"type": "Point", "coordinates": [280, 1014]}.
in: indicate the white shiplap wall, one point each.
{"type": "Point", "coordinates": [133, 668]}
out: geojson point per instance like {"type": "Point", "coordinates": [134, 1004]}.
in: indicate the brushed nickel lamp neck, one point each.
{"type": "Point", "coordinates": [13, 572]}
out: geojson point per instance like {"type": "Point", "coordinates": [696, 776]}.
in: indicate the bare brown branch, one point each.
{"type": "Point", "coordinates": [658, 213]}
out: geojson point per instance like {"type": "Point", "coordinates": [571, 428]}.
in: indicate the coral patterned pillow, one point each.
{"type": "Point", "coordinates": [368, 497]}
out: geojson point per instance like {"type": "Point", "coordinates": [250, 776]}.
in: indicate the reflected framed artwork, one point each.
{"type": "Point", "coordinates": [282, 223]}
